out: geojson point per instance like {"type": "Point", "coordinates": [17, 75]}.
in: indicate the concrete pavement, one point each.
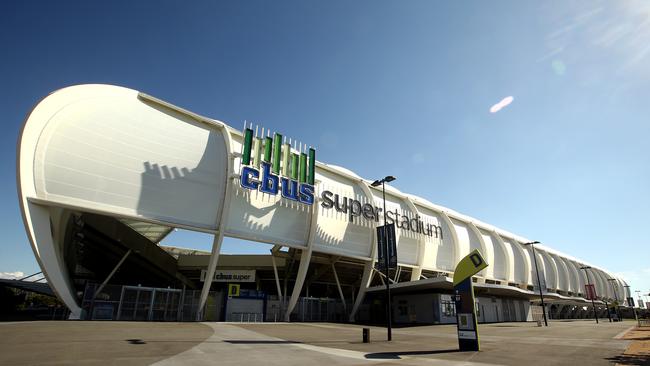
{"type": "Point", "coordinates": [233, 345]}
{"type": "Point", "coordinates": [96, 343]}
{"type": "Point", "coordinates": [562, 343]}
{"type": "Point", "coordinates": [268, 344]}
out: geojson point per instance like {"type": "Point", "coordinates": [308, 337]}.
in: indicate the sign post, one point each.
{"type": "Point", "coordinates": [386, 233]}
{"type": "Point", "coordinates": [387, 257]}
{"type": "Point", "coordinates": [464, 298]}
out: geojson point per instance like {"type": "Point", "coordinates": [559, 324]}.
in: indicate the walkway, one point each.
{"type": "Point", "coordinates": [309, 344]}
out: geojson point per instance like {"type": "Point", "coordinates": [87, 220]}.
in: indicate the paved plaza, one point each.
{"type": "Point", "coordinates": [134, 343]}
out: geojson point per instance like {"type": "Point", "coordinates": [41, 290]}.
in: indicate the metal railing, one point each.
{"type": "Point", "coordinates": [245, 317]}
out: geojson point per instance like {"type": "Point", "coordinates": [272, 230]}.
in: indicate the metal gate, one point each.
{"type": "Point", "coordinates": [148, 303]}
{"type": "Point", "coordinates": [508, 310]}
{"type": "Point", "coordinates": [512, 312]}
{"type": "Point", "coordinates": [310, 309]}
{"type": "Point", "coordinates": [522, 311]}
{"type": "Point", "coordinates": [117, 302]}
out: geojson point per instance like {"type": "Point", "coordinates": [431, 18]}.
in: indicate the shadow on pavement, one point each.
{"type": "Point", "coordinates": [261, 341]}
{"type": "Point", "coordinates": [630, 360]}
{"type": "Point", "coordinates": [136, 341]}
{"type": "Point", "coordinates": [396, 355]}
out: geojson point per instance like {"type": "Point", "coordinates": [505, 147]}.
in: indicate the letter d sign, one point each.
{"type": "Point", "coordinates": [476, 259]}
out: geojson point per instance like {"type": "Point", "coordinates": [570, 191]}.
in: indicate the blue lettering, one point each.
{"type": "Point", "coordinates": [246, 174]}
{"type": "Point", "coordinates": [306, 194]}
{"type": "Point", "coordinates": [270, 182]}
{"type": "Point", "coordinates": [290, 189]}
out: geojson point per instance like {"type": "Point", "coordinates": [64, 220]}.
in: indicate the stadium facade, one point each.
{"type": "Point", "coordinates": [105, 173]}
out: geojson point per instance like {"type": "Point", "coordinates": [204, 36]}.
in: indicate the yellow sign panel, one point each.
{"type": "Point", "coordinates": [233, 290]}
{"type": "Point", "coordinates": [472, 264]}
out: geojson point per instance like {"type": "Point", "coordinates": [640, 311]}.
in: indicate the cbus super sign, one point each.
{"type": "Point", "coordinates": [282, 171]}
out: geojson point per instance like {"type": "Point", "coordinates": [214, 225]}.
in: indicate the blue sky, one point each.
{"type": "Point", "coordinates": [400, 88]}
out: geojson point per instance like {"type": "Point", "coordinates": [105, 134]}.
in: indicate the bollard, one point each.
{"type": "Point", "coordinates": [366, 335]}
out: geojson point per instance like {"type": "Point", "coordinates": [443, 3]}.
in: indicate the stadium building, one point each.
{"type": "Point", "coordinates": [105, 173]}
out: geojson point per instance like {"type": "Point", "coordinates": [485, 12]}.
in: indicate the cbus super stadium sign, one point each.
{"type": "Point", "coordinates": [269, 165]}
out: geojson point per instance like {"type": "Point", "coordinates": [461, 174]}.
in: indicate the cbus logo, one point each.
{"type": "Point", "coordinates": [270, 166]}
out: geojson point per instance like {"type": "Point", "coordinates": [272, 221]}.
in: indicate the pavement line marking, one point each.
{"type": "Point", "coordinates": [352, 354]}
{"type": "Point", "coordinates": [359, 355]}
{"type": "Point", "coordinates": [338, 352]}
{"type": "Point", "coordinates": [254, 323]}
{"type": "Point", "coordinates": [21, 322]}
{"type": "Point", "coordinates": [621, 334]}
{"type": "Point", "coordinates": [401, 358]}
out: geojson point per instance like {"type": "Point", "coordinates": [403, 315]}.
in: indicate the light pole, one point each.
{"type": "Point", "coordinates": [376, 183]}
{"type": "Point", "coordinates": [618, 304]}
{"type": "Point", "coordinates": [593, 302]}
{"type": "Point", "coordinates": [633, 307]}
{"type": "Point", "coordinates": [609, 316]}
{"type": "Point", "coordinates": [539, 283]}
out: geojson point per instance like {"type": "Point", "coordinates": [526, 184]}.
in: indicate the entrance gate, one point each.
{"type": "Point", "coordinates": [310, 309]}
{"type": "Point", "coordinates": [117, 302]}
{"type": "Point", "coordinates": [148, 303]}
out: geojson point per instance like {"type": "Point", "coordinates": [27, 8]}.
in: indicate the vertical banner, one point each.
{"type": "Point", "coordinates": [590, 292]}
{"type": "Point", "coordinates": [381, 246]}
{"type": "Point", "coordinates": [630, 302]}
{"type": "Point", "coordinates": [466, 320]}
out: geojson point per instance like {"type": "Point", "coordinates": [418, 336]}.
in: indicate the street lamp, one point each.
{"type": "Point", "coordinates": [539, 283]}
{"type": "Point", "coordinates": [376, 183]}
{"type": "Point", "coordinates": [618, 310]}
{"type": "Point", "coordinates": [627, 287]}
{"type": "Point", "coordinates": [593, 302]}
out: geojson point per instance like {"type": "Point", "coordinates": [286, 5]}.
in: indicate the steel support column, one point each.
{"type": "Point", "coordinates": [110, 275]}
{"type": "Point", "coordinates": [305, 258]}
{"type": "Point", "coordinates": [368, 268]}
{"type": "Point", "coordinates": [277, 278]}
{"type": "Point", "coordinates": [338, 285]}
{"type": "Point", "coordinates": [222, 217]}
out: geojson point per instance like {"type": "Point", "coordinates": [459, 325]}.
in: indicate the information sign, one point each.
{"type": "Point", "coordinates": [464, 298]}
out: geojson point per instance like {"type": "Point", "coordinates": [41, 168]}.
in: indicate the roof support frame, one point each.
{"type": "Point", "coordinates": [368, 267]}
{"type": "Point", "coordinates": [221, 223]}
